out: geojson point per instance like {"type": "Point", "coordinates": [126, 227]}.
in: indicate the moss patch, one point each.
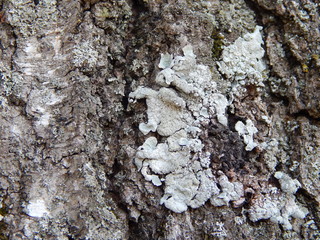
{"type": "Point", "coordinates": [218, 44]}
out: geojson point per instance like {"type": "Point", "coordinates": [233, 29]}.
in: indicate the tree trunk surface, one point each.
{"type": "Point", "coordinates": [149, 119]}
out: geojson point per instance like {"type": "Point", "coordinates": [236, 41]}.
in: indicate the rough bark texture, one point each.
{"type": "Point", "coordinates": [79, 77]}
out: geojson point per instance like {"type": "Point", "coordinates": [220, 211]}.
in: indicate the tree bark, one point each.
{"type": "Point", "coordinates": [147, 119]}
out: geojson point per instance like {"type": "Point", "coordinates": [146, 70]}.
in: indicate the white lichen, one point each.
{"type": "Point", "coordinates": [288, 185]}
{"type": "Point", "coordinates": [165, 61]}
{"type": "Point", "coordinates": [244, 58]}
{"type": "Point", "coordinates": [220, 103]}
{"type": "Point", "coordinates": [219, 231]}
{"type": "Point", "coordinates": [230, 191]}
{"type": "Point", "coordinates": [180, 189]}
{"type": "Point", "coordinates": [37, 208]}
{"type": "Point", "coordinates": [165, 110]}
{"type": "Point", "coordinates": [85, 54]}
{"type": "Point", "coordinates": [194, 81]}
{"type": "Point", "coordinates": [207, 188]}
{"type": "Point", "coordinates": [159, 158]}
{"type": "Point", "coordinates": [247, 131]}
{"type": "Point", "coordinates": [279, 207]}
{"type": "Point", "coordinates": [185, 188]}
{"type": "Point", "coordinates": [187, 97]}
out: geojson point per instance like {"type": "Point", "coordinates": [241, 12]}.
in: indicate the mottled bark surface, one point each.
{"type": "Point", "coordinates": [70, 128]}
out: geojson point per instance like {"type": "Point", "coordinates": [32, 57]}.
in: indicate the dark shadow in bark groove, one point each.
{"type": "Point", "coordinates": [304, 197]}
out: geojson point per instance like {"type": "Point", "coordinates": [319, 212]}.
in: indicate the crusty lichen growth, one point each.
{"type": "Point", "coordinates": [29, 21]}
{"type": "Point", "coordinates": [68, 137]}
{"type": "Point", "coordinates": [243, 61]}
{"type": "Point", "coordinates": [180, 162]}
{"type": "Point", "coordinates": [235, 17]}
{"type": "Point", "coordinates": [280, 207]}
{"type": "Point", "coordinates": [112, 15]}
{"type": "Point", "coordinates": [7, 84]}
{"type": "Point", "coordinates": [177, 115]}
{"type": "Point", "coordinates": [247, 131]}
{"type": "Point", "coordinates": [85, 55]}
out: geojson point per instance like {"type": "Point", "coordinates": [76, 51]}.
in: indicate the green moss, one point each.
{"type": "Point", "coordinates": [218, 44]}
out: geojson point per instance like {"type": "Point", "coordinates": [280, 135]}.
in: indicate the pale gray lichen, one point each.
{"type": "Point", "coordinates": [194, 82]}
{"type": "Point", "coordinates": [207, 188]}
{"type": "Point", "coordinates": [180, 190]}
{"type": "Point", "coordinates": [247, 131]}
{"type": "Point", "coordinates": [310, 164]}
{"type": "Point", "coordinates": [109, 224]}
{"type": "Point", "coordinates": [230, 191]}
{"type": "Point", "coordinates": [271, 147]}
{"type": "Point", "coordinates": [276, 150]}
{"type": "Point", "coordinates": [112, 15]}
{"type": "Point", "coordinates": [41, 19]}
{"type": "Point", "coordinates": [176, 113]}
{"type": "Point", "coordinates": [165, 61]}
{"type": "Point", "coordinates": [165, 110]}
{"type": "Point", "coordinates": [278, 206]}
{"type": "Point", "coordinates": [37, 208]}
{"type": "Point", "coordinates": [140, 64]}
{"type": "Point", "coordinates": [6, 79]}
{"type": "Point", "coordinates": [288, 185]}
{"type": "Point", "coordinates": [85, 54]}
{"type": "Point", "coordinates": [278, 209]}
{"type": "Point", "coordinates": [220, 103]}
{"type": "Point", "coordinates": [159, 158]}
{"type": "Point", "coordinates": [185, 188]}
{"type": "Point", "coordinates": [234, 16]}
{"type": "Point", "coordinates": [219, 231]}
{"type": "Point", "coordinates": [244, 58]}
{"type": "Point", "coordinates": [242, 62]}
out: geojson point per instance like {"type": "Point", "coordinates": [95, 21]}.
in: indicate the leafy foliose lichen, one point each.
{"type": "Point", "coordinates": [188, 97]}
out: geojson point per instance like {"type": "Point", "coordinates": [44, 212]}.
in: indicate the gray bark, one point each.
{"type": "Point", "coordinates": [97, 142]}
